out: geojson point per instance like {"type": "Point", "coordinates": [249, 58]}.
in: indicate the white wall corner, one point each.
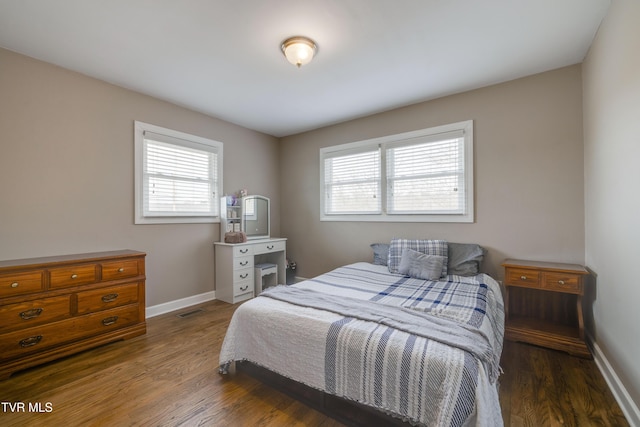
{"type": "Point", "coordinates": [166, 307]}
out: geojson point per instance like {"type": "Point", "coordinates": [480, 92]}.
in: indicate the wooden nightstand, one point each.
{"type": "Point", "coordinates": [543, 305]}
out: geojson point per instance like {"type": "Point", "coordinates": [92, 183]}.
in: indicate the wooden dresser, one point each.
{"type": "Point", "coordinates": [56, 306]}
{"type": "Point", "coordinates": [544, 305]}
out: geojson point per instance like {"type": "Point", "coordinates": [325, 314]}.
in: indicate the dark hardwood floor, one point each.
{"type": "Point", "coordinates": [169, 377]}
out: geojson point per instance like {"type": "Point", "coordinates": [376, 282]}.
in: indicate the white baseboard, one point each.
{"type": "Point", "coordinates": [628, 406]}
{"type": "Point", "coordinates": [166, 307]}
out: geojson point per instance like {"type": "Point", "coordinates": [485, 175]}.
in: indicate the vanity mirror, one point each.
{"type": "Point", "coordinates": [249, 214]}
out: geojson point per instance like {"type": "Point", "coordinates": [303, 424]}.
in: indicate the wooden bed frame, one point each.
{"type": "Point", "coordinates": [346, 411]}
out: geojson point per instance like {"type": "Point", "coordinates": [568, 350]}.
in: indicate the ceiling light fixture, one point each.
{"type": "Point", "coordinates": [299, 50]}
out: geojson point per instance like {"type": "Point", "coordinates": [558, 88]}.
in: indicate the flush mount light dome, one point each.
{"type": "Point", "coordinates": [299, 50]}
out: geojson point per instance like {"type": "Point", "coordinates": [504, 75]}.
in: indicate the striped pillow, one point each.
{"type": "Point", "coordinates": [429, 247]}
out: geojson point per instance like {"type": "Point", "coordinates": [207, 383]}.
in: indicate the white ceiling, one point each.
{"type": "Point", "coordinates": [223, 58]}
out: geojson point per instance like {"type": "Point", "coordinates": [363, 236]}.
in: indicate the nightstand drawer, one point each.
{"type": "Point", "coordinates": [522, 277]}
{"type": "Point", "coordinates": [568, 283]}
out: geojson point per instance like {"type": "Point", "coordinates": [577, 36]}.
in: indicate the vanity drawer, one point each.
{"type": "Point", "coordinates": [243, 250]}
{"type": "Point", "coordinates": [245, 274]}
{"type": "Point", "coordinates": [32, 313]}
{"type": "Point", "coordinates": [21, 283]}
{"type": "Point", "coordinates": [240, 288]}
{"type": "Point", "coordinates": [523, 277]}
{"type": "Point", "coordinates": [119, 269]}
{"type": "Point", "coordinates": [72, 276]}
{"type": "Point", "coordinates": [564, 282]}
{"type": "Point", "coordinates": [263, 248]}
{"type": "Point", "coordinates": [242, 262]}
{"type": "Point", "coordinates": [104, 298]}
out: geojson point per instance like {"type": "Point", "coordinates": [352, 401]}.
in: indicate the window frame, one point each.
{"type": "Point", "coordinates": [468, 216]}
{"type": "Point", "coordinates": [191, 141]}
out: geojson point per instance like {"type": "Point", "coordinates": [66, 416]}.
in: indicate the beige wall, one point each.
{"type": "Point", "coordinates": [612, 156]}
{"type": "Point", "coordinates": [528, 176]}
{"type": "Point", "coordinates": [66, 174]}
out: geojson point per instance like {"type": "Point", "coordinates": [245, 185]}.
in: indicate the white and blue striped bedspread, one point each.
{"type": "Point", "coordinates": [418, 379]}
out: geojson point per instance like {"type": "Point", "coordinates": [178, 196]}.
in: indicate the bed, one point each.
{"type": "Point", "coordinates": [423, 352]}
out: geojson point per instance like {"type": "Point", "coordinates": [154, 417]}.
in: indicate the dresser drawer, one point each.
{"type": "Point", "coordinates": [72, 276]}
{"type": "Point", "coordinates": [21, 283]}
{"type": "Point", "coordinates": [31, 313]}
{"type": "Point", "coordinates": [242, 250]}
{"type": "Point", "coordinates": [105, 298]}
{"type": "Point", "coordinates": [522, 277]}
{"type": "Point", "coordinates": [31, 340]}
{"type": "Point", "coordinates": [119, 269]}
{"type": "Point", "coordinates": [242, 262]}
{"type": "Point", "coordinates": [242, 275]}
{"type": "Point", "coordinates": [563, 282]}
{"type": "Point", "coordinates": [263, 248]}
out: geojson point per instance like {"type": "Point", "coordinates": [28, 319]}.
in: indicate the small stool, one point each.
{"type": "Point", "coordinates": [266, 275]}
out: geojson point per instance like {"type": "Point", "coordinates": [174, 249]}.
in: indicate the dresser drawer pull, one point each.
{"type": "Point", "coordinates": [74, 276]}
{"type": "Point", "coordinates": [244, 276]}
{"type": "Point", "coordinates": [109, 320]}
{"type": "Point", "coordinates": [243, 263]}
{"type": "Point", "coordinates": [560, 282]}
{"type": "Point", "coordinates": [121, 270]}
{"type": "Point", "coordinates": [109, 298]}
{"type": "Point", "coordinates": [244, 251]}
{"type": "Point", "coordinates": [28, 342]}
{"type": "Point", "coordinates": [244, 288]}
{"type": "Point", "coordinates": [270, 247]}
{"type": "Point", "coordinates": [31, 314]}
{"type": "Point", "coordinates": [523, 277]}
{"type": "Point", "coordinates": [14, 285]}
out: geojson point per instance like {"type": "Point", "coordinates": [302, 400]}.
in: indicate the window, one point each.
{"type": "Point", "coordinates": [178, 176]}
{"type": "Point", "coordinates": [421, 176]}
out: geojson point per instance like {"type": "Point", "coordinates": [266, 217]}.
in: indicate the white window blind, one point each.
{"type": "Point", "coordinates": [178, 176]}
{"type": "Point", "coordinates": [352, 182]}
{"type": "Point", "coordinates": [419, 176]}
{"type": "Point", "coordinates": [427, 176]}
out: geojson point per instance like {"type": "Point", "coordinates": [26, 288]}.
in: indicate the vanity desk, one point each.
{"type": "Point", "coordinates": [235, 266]}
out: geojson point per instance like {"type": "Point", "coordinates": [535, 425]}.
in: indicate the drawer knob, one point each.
{"type": "Point", "coordinates": [121, 270]}
{"type": "Point", "coordinates": [244, 276]}
{"type": "Point", "coordinates": [244, 251]}
{"type": "Point", "coordinates": [243, 263]}
{"type": "Point", "coordinates": [31, 314]}
{"type": "Point", "coordinates": [270, 247]}
{"type": "Point", "coordinates": [74, 276]}
{"type": "Point", "coordinates": [523, 277]}
{"type": "Point", "coordinates": [28, 342]}
{"type": "Point", "coordinates": [561, 282]}
{"type": "Point", "coordinates": [109, 320]}
{"type": "Point", "coordinates": [109, 297]}
{"type": "Point", "coordinates": [14, 285]}
{"type": "Point", "coordinates": [244, 288]}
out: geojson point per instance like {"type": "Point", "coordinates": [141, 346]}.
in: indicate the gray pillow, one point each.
{"type": "Point", "coordinates": [420, 266]}
{"type": "Point", "coordinates": [429, 247]}
{"type": "Point", "coordinates": [380, 253]}
{"type": "Point", "coordinates": [464, 258]}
